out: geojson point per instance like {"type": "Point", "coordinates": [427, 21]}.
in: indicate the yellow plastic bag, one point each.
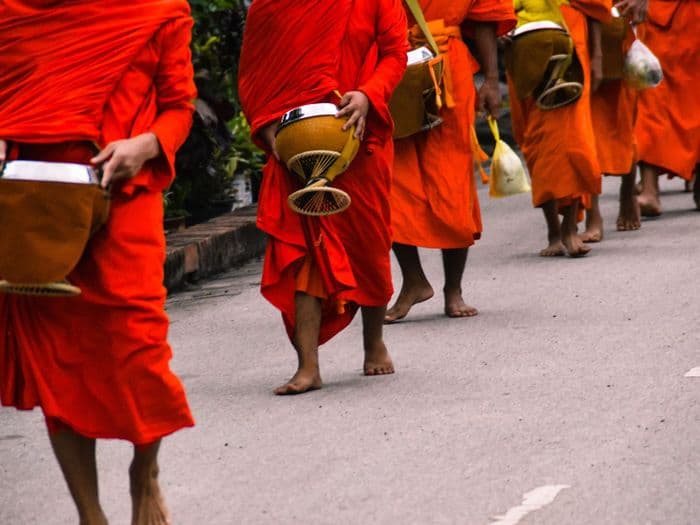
{"type": "Point", "coordinates": [507, 172]}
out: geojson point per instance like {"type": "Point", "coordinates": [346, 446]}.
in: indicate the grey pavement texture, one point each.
{"type": "Point", "coordinates": [572, 374]}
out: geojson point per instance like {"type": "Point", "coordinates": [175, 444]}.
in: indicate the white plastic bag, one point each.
{"type": "Point", "coordinates": [642, 69]}
{"type": "Point", "coordinates": [507, 172]}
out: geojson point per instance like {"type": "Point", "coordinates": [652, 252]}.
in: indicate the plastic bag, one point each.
{"type": "Point", "coordinates": [642, 69]}
{"type": "Point", "coordinates": [507, 172]}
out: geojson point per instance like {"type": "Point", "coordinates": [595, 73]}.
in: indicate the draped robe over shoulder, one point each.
{"type": "Point", "coordinates": [559, 145]}
{"type": "Point", "coordinates": [76, 73]}
{"type": "Point", "coordinates": [668, 123]}
{"type": "Point", "coordinates": [434, 202]}
{"type": "Point", "coordinates": [331, 45]}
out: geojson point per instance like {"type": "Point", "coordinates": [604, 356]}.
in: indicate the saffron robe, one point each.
{"type": "Point", "coordinates": [668, 123]}
{"type": "Point", "coordinates": [332, 45]}
{"type": "Point", "coordinates": [434, 202]}
{"type": "Point", "coordinates": [99, 362]}
{"type": "Point", "coordinates": [614, 109]}
{"type": "Point", "coordinates": [559, 145]}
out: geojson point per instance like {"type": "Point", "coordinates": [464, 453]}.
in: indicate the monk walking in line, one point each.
{"type": "Point", "coordinates": [558, 144]}
{"type": "Point", "coordinates": [668, 124]}
{"type": "Point", "coordinates": [116, 74]}
{"type": "Point", "coordinates": [614, 109]}
{"type": "Point", "coordinates": [297, 53]}
{"type": "Point", "coordinates": [434, 203]}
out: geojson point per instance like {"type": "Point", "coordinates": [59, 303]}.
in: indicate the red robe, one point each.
{"type": "Point", "coordinates": [614, 109]}
{"type": "Point", "coordinates": [434, 202]}
{"type": "Point", "coordinates": [99, 362]}
{"type": "Point", "coordinates": [344, 46]}
{"type": "Point", "coordinates": [559, 145]}
{"type": "Point", "coordinates": [668, 124]}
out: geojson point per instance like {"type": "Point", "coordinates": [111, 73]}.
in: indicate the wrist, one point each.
{"type": "Point", "coordinates": [152, 145]}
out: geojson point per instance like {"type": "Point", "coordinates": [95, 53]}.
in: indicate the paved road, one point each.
{"type": "Point", "coordinates": [572, 376]}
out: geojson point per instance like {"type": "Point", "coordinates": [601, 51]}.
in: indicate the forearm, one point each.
{"type": "Point", "coordinates": [486, 48]}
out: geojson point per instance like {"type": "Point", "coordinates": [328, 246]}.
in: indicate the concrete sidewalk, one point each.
{"type": "Point", "coordinates": [212, 247]}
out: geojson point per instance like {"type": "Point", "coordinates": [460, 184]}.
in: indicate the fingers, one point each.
{"type": "Point", "coordinates": [360, 128]}
{"type": "Point", "coordinates": [3, 153]}
{"type": "Point", "coordinates": [103, 155]}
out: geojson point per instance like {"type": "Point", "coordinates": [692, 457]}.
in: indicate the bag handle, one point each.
{"type": "Point", "coordinates": [493, 124]}
{"type": "Point", "coordinates": [417, 13]}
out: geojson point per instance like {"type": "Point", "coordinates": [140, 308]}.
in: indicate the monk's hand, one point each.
{"type": "Point", "coordinates": [354, 105]}
{"type": "Point", "coordinates": [3, 153]}
{"type": "Point", "coordinates": [490, 97]}
{"type": "Point", "coordinates": [268, 134]}
{"type": "Point", "coordinates": [123, 159]}
{"type": "Point", "coordinates": [634, 10]}
{"type": "Point", "coordinates": [596, 71]}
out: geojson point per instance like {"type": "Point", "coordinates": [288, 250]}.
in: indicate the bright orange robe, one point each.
{"type": "Point", "coordinates": [559, 145]}
{"type": "Point", "coordinates": [340, 45]}
{"type": "Point", "coordinates": [434, 202]}
{"type": "Point", "coordinates": [668, 124]}
{"type": "Point", "coordinates": [99, 362]}
{"type": "Point", "coordinates": [614, 108]}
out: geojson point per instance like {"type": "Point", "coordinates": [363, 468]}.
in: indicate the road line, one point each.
{"type": "Point", "coordinates": [532, 501]}
{"type": "Point", "coordinates": [695, 372]}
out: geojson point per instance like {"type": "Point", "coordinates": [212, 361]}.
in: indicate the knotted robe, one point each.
{"type": "Point", "coordinates": [76, 73]}
{"type": "Point", "coordinates": [668, 122]}
{"type": "Point", "coordinates": [297, 53]}
{"type": "Point", "coordinates": [434, 202]}
{"type": "Point", "coordinates": [559, 145]}
{"type": "Point", "coordinates": [614, 110]}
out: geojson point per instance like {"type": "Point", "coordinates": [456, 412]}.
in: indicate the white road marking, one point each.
{"type": "Point", "coordinates": [532, 501]}
{"type": "Point", "coordinates": [695, 372]}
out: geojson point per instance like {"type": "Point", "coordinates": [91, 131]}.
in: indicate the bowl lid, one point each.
{"type": "Point", "coordinates": [536, 26]}
{"type": "Point", "coordinates": [308, 111]}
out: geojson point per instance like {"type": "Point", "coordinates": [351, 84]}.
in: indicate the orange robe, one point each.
{"type": "Point", "coordinates": [434, 202]}
{"type": "Point", "coordinates": [99, 362]}
{"type": "Point", "coordinates": [559, 145]}
{"type": "Point", "coordinates": [668, 124]}
{"type": "Point", "coordinates": [614, 108]}
{"type": "Point", "coordinates": [344, 46]}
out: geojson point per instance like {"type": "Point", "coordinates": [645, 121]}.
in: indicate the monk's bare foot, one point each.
{"type": "Point", "coordinates": [303, 381]}
{"type": "Point", "coordinates": [377, 360]}
{"type": "Point", "coordinates": [455, 305]}
{"type": "Point", "coordinates": [148, 507]}
{"type": "Point", "coordinates": [574, 246]}
{"type": "Point", "coordinates": [409, 296]}
{"type": "Point", "coordinates": [554, 249]}
{"type": "Point", "coordinates": [592, 233]}
{"type": "Point", "coordinates": [629, 218]}
{"type": "Point", "coordinates": [649, 205]}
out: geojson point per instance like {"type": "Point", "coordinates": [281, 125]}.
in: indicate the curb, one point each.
{"type": "Point", "coordinates": [212, 247]}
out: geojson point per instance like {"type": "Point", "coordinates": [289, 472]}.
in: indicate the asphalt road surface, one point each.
{"type": "Point", "coordinates": [568, 400]}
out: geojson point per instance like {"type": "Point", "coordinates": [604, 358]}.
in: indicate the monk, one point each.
{"type": "Point", "coordinates": [79, 77]}
{"type": "Point", "coordinates": [668, 124]}
{"type": "Point", "coordinates": [434, 203]}
{"type": "Point", "coordinates": [318, 271]}
{"type": "Point", "coordinates": [614, 108]}
{"type": "Point", "coordinates": [558, 144]}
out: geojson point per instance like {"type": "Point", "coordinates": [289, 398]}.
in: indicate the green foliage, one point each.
{"type": "Point", "coordinates": [219, 144]}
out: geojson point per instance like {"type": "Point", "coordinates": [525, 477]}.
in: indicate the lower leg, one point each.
{"type": "Point", "coordinates": [76, 456]}
{"type": "Point", "coordinates": [569, 235]}
{"type": "Point", "coordinates": [551, 216]}
{"type": "Point", "coordinates": [377, 359]}
{"type": "Point", "coordinates": [306, 332]}
{"type": "Point", "coordinates": [696, 186]}
{"type": "Point", "coordinates": [594, 222]}
{"type": "Point", "coordinates": [649, 201]}
{"type": "Point", "coordinates": [415, 287]}
{"type": "Point", "coordinates": [629, 216]}
{"type": "Point", "coordinates": [148, 507]}
{"type": "Point", "coordinates": [453, 262]}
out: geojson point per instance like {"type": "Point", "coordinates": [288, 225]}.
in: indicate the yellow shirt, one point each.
{"type": "Point", "coordinates": [538, 11]}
